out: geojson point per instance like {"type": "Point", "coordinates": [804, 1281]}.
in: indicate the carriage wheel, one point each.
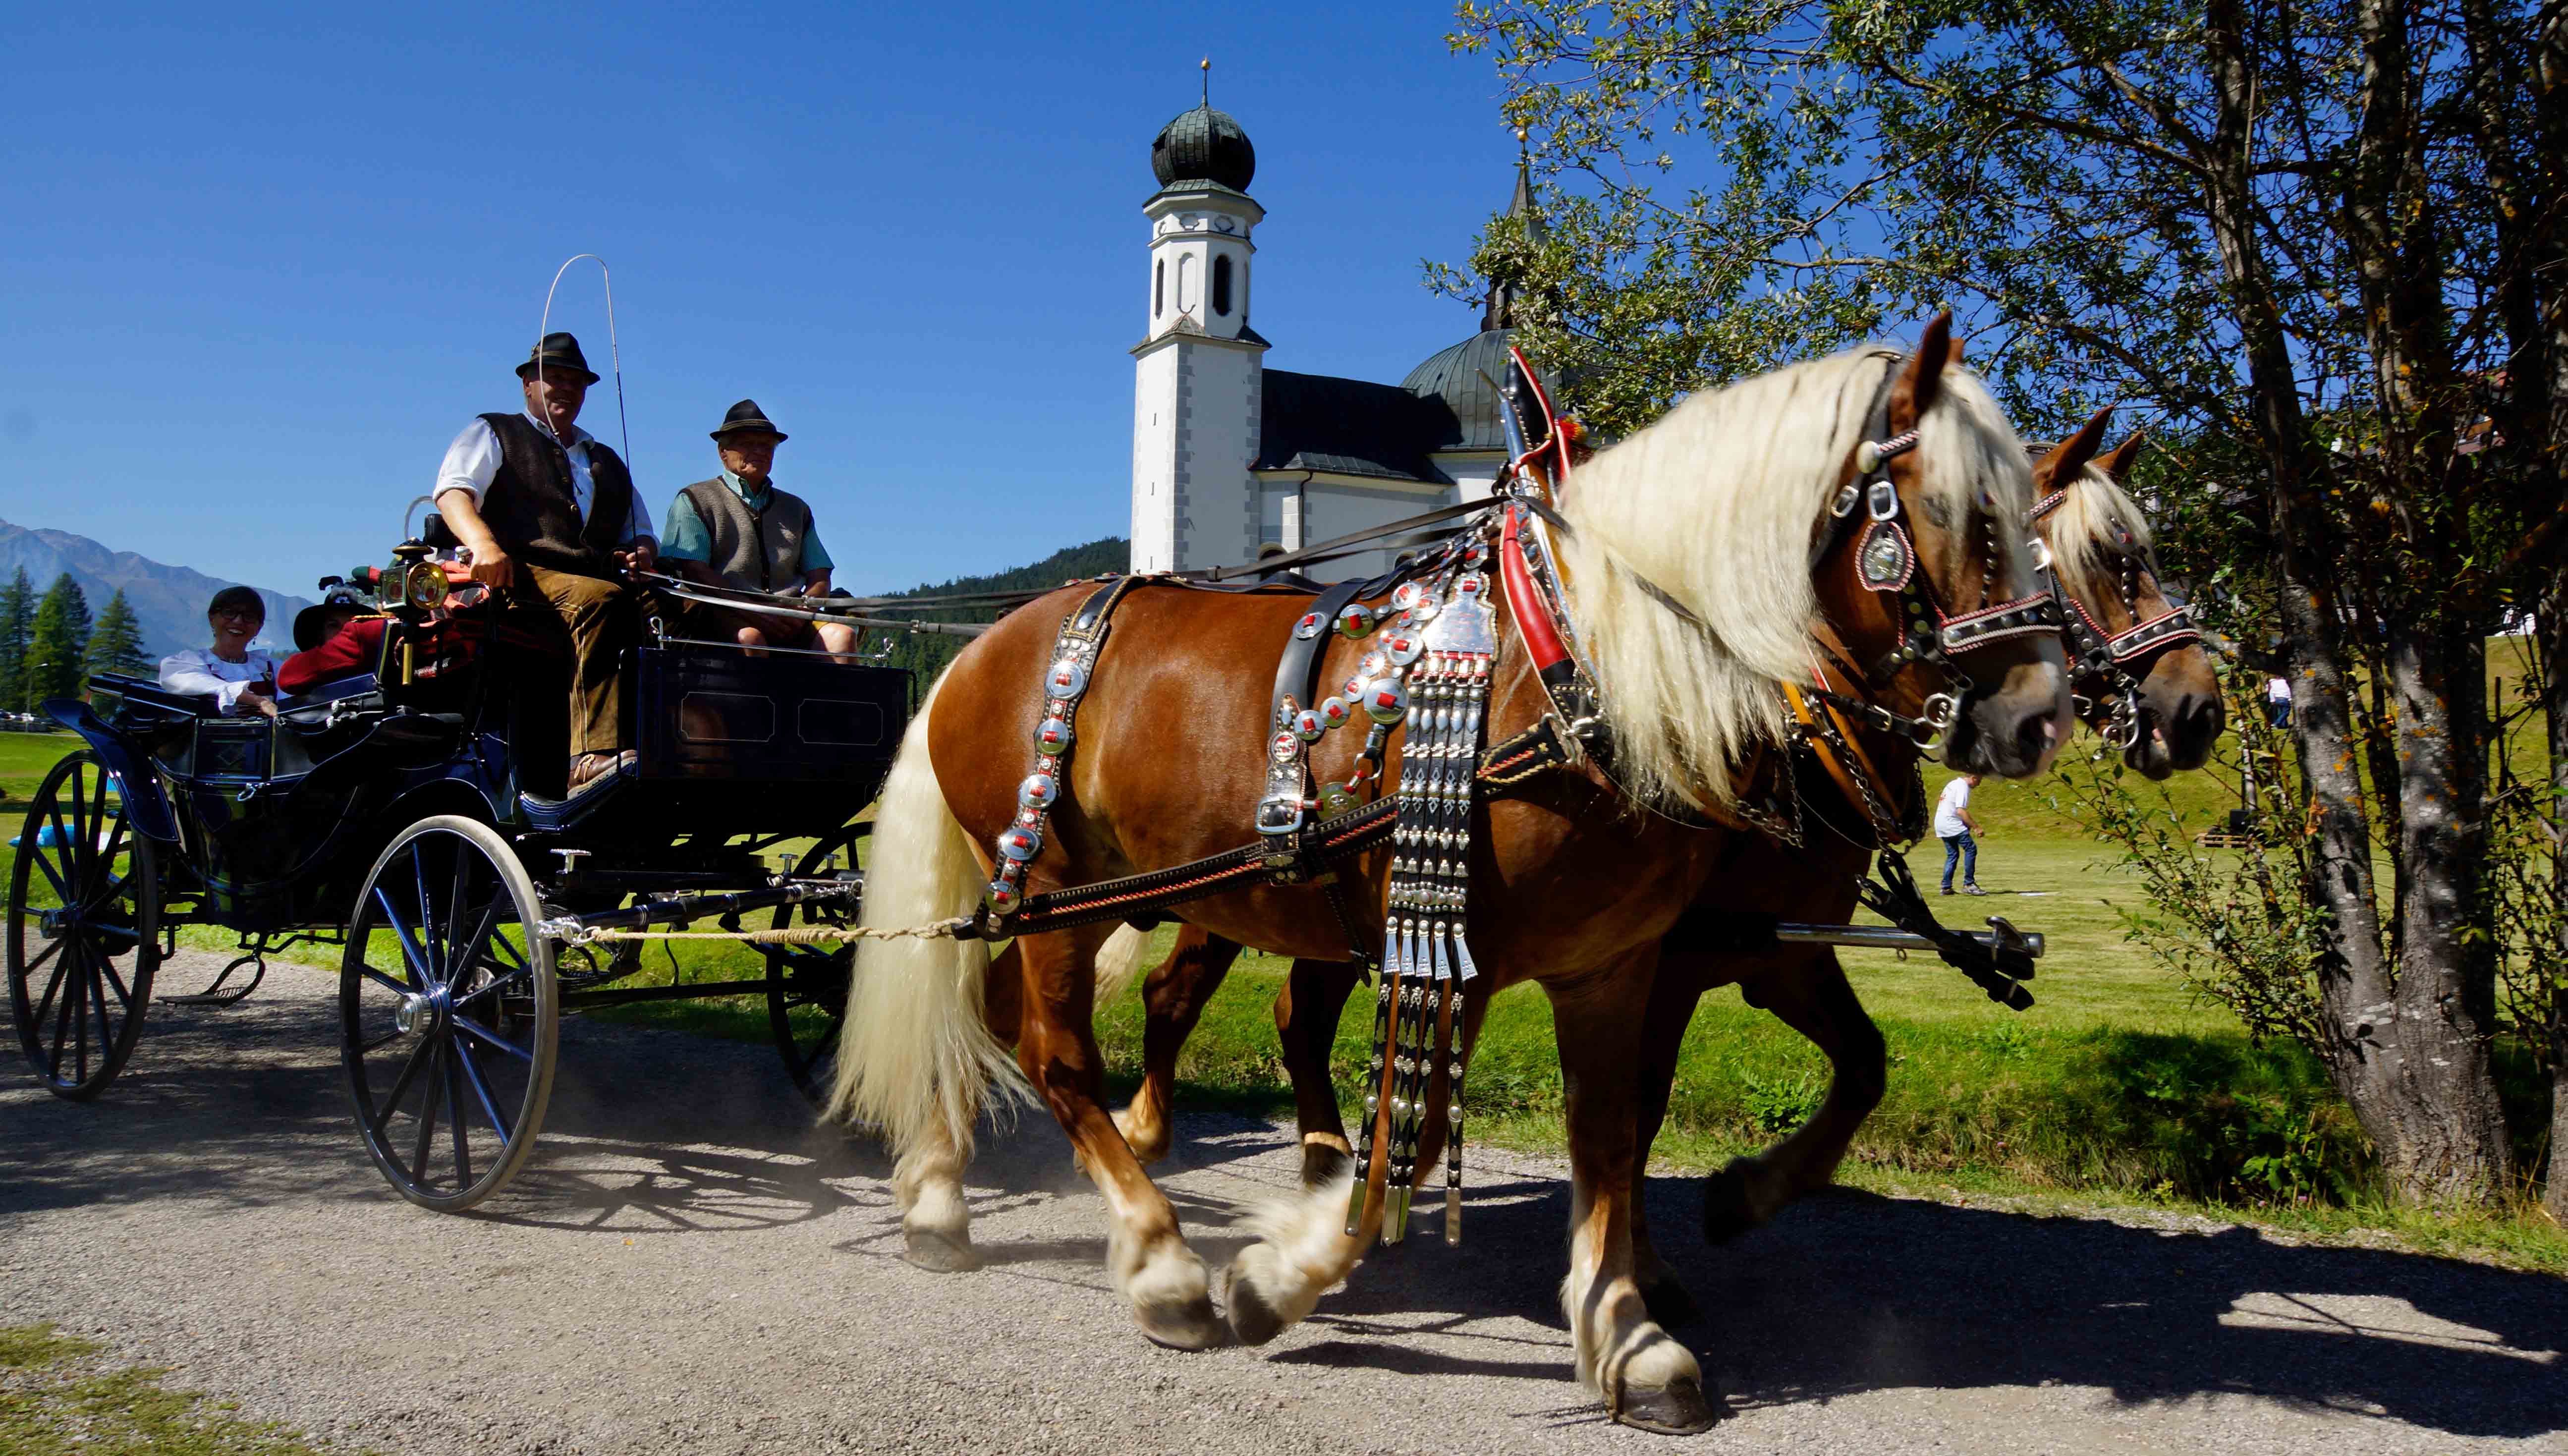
{"type": "Point", "coordinates": [448, 1013]}
{"type": "Point", "coordinates": [83, 929]}
{"type": "Point", "coordinates": [807, 986]}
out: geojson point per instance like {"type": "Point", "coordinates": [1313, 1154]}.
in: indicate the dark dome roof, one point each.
{"type": "Point", "coordinates": [1204, 144]}
{"type": "Point", "coordinates": [1462, 377]}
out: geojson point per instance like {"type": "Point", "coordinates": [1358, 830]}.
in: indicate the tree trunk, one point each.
{"type": "Point", "coordinates": [2550, 112]}
{"type": "Point", "coordinates": [2554, 706]}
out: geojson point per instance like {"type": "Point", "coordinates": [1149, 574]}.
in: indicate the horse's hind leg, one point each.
{"type": "Point", "coordinates": [1306, 1022]}
{"type": "Point", "coordinates": [1680, 983]}
{"type": "Point", "coordinates": [1646, 1377]}
{"type": "Point", "coordinates": [1810, 994]}
{"type": "Point", "coordinates": [1172, 1001]}
{"type": "Point", "coordinates": [1153, 1267]}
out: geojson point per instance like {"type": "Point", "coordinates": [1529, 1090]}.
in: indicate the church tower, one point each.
{"type": "Point", "coordinates": [1196, 373]}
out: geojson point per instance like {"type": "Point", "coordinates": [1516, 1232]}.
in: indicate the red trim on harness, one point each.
{"type": "Point", "coordinates": [1525, 602]}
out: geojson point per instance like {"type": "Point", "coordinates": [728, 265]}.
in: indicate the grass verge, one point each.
{"type": "Point", "coordinates": [56, 1398]}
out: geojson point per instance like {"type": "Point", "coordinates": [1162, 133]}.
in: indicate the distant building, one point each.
{"type": "Point", "coordinates": [1232, 459]}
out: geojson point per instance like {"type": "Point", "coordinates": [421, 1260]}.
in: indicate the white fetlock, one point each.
{"type": "Point", "coordinates": [1302, 1253]}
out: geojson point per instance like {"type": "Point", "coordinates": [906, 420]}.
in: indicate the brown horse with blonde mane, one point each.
{"type": "Point", "coordinates": [2151, 693]}
{"type": "Point", "coordinates": [1686, 567]}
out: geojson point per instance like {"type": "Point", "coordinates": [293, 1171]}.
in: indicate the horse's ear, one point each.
{"type": "Point", "coordinates": [2119, 461]}
{"type": "Point", "coordinates": [1923, 377]}
{"type": "Point", "coordinates": [2057, 470]}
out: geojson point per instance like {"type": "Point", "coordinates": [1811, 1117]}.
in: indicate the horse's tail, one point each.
{"type": "Point", "coordinates": [916, 1054]}
{"type": "Point", "coordinates": [1118, 963]}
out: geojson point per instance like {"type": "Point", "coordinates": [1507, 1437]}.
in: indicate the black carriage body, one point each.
{"type": "Point", "coordinates": [268, 824]}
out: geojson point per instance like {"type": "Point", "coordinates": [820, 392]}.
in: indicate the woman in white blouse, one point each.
{"type": "Point", "coordinates": [241, 678]}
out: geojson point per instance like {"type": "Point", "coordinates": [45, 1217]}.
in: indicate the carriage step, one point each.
{"type": "Point", "coordinates": [215, 995]}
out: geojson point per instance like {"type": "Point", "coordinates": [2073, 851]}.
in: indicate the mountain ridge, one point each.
{"type": "Point", "coordinates": [168, 601]}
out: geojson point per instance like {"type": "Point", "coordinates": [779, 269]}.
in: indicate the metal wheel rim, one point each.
{"type": "Point", "coordinates": [79, 1025]}
{"type": "Point", "coordinates": [806, 977]}
{"type": "Point", "coordinates": [449, 1032]}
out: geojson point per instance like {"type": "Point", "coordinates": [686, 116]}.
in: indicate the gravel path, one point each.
{"type": "Point", "coordinates": [689, 1266]}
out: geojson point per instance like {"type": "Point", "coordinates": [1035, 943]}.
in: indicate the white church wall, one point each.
{"type": "Point", "coordinates": [1341, 507]}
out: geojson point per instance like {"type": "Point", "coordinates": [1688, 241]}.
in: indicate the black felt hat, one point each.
{"type": "Point", "coordinates": [559, 355]}
{"type": "Point", "coordinates": [747, 416]}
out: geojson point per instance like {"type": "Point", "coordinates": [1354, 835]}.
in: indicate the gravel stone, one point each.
{"type": "Point", "coordinates": [691, 1266]}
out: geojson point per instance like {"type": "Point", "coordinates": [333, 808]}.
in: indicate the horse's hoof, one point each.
{"type": "Point", "coordinates": [1677, 1409]}
{"type": "Point", "coordinates": [1727, 1209]}
{"type": "Point", "coordinates": [1190, 1325]}
{"type": "Point", "coordinates": [1252, 1320]}
{"type": "Point", "coordinates": [1322, 1163]}
{"type": "Point", "coordinates": [1671, 1308]}
{"type": "Point", "coordinates": [937, 1254]}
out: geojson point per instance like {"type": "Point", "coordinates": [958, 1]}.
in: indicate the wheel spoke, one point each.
{"type": "Point", "coordinates": [380, 1042]}
{"type": "Point", "coordinates": [430, 1098]}
{"type": "Point", "coordinates": [124, 996]}
{"type": "Point", "coordinates": [106, 1024]}
{"type": "Point", "coordinates": [387, 983]}
{"type": "Point", "coordinates": [471, 1027]}
{"type": "Point", "coordinates": [513, 977]}
{"type": "Point", "coordinates": [457, 962]}
{"type": "Point", "coordinates": [421, 973]}
{"type": "Point", "coordinates": [35, 962]}
{"type": "Point", "coordinates": [106, 868]}
{"type": "Point", "coordinates": [455, 1119]}
{"type": "Point", "coordinates": [515, 958]}
{"type": "Point", "coordinates": [36, 853]}
{"type": "Point", "coordinates": [400, 1084]}
{"type": "Point", "coordinates": [62, 1015]}
{"type": "Point", "coordinates": [427, 915]}
{"type": "Point", "coordinates": [481, 1091]}
{"type": "Point", "coordinates": [467, 954]}
{"type": "Point", "coordinates": [77, 1003]}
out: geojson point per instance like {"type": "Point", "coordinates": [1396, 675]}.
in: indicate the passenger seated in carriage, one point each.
{"type": "Point", "coordinates": [740, 530]}
{"type": "Point", "coordinates": [239, 678]}
{"type": "Point", "coordinates": [550, 517]}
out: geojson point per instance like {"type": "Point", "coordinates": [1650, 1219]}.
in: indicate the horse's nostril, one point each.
{"type": "Point", "coordinates": [2034, 736]}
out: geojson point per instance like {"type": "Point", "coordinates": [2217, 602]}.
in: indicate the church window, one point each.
{"type": "Point", "coordinates": [1185, 284]}
{"type": "Point", "coordinates": [1221, 286]}
{"type": "Point", "coordinates": [1159, 288]}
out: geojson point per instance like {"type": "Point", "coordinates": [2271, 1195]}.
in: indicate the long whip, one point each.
{"type": "Point", "coordinates": [614, 354]}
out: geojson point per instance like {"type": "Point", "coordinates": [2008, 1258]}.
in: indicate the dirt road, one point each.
{"type": "Point", "coordinates": [690, 1268]}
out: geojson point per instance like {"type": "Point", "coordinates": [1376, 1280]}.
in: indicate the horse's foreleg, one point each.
{"type": "Point", "coordinates": [1303, 1247]}
{"type": "Point", "coordinates": [1646, 1377]}
{"type": "Point", "coordinates": [1306, 1022]}
{"type": "Point", "coordinates": [1172, 1001]}
{"type": "Point", "coordinates": [1154, 1269]}
{"type": "Point", "coordinates": [1678, 985]}
{"type": "Point", "coordinates": [1811, 997]}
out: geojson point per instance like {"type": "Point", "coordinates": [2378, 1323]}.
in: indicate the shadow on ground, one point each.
{"type": "Point", "coordinates": [657, 1132]}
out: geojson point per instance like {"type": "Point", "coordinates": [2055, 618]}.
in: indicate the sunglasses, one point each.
{"type": "Point", "coordinates": [242, 614]}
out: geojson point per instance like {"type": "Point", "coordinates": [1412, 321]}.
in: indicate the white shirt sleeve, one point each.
{"type": "Point", "coordinates": [196, 670]}
{"type": "Point", "coordinates": [469, 463]}
{"type": "Point", "coordinates": [637, 522]}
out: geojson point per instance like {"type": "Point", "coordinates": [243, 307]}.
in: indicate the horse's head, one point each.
{"type": "Point", "coordinates": [1923, 575]}
{"type": "Point", "coordinates": [2138, 667]}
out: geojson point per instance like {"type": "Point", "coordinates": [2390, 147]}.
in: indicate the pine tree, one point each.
{"type": "Point", "coordinates": [52, 665]}
{"type": "Point", "coordinates": [116, 642]}
{"type": "Point", "coordinates": [17, 619]}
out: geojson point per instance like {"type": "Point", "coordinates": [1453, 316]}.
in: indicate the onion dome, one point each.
{"type": "Point", "coordinates": [1204, 146]}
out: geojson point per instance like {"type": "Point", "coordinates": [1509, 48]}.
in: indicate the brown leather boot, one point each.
{"type": "Point", "coordinates": [588, 768]}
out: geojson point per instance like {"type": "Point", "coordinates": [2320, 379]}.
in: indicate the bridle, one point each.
{"type": "Point", "coordinates": [1886, 562]}
{"type": "Point", "coordinates": [2102, 668]}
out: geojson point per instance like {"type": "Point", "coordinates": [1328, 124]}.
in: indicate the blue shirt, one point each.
{"type": "Point", "coordinates": [687, 538]}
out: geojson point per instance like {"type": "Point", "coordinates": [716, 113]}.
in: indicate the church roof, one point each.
{"type": "Point", "coordinates": [1349, 427]}
{"type": "Point", "coordinates": [1204, 146]}
{"type": "Point", "coordinates": [1462, 379]}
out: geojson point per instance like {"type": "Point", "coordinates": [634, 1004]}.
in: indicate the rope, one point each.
{"type": "Point", "coordinates": [791, 935]}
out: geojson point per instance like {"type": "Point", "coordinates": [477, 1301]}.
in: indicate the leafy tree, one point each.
{"type": "Point", "coordinates": [56, 643]}
{"type": "Point", "coordinates": [2320, 240]}
{"type": "Point", "coordinates": [116, 642]}
{"type": "Point", "coordinates": [17, 619]}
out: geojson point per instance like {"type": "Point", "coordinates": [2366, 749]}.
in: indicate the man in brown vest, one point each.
{"type": "Point", "coordinates": [739, 531]}
{"type": "Point", "coordinates": [550, 516]}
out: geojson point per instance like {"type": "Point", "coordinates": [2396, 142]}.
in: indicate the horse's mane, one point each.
{"type": "Point", "coordinates": [1716, 503]}
{"type": "Point", "coordinates": [2080, 531]}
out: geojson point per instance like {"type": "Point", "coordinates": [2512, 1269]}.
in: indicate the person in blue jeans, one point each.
{"type": "Point", "coordinates": [1955, 827]}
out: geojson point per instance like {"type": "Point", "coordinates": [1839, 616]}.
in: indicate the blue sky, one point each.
{"type": "Point", "coordinates": [255, 272]}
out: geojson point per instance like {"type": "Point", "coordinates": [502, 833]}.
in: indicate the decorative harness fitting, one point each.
{"type": "Point", "coordinates": [2103, 659]}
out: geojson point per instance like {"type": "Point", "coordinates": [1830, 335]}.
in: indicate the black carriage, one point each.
{"type": "Point", "coordinates": [414, 816]}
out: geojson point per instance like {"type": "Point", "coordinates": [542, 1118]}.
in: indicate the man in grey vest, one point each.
{"type": "Point", "coordinates": [739, 531]}
{"type": "Point", "coordinates": [550, 517]}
